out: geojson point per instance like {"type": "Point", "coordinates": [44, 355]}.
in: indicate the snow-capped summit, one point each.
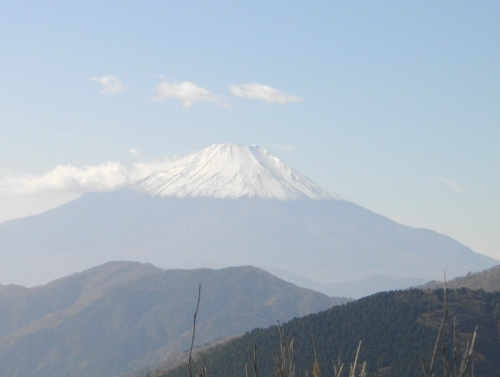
{"type": "Point", "coordinates": [232, 171]}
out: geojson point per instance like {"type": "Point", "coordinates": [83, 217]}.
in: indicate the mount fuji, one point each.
{"type": "Point", "coordinates": [233, 171]}
{"type": "Point", "coordinates": [229, 205]}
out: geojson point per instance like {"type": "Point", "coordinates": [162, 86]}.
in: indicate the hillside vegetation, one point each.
{"type": "Point", "coordinates": [398, 330]}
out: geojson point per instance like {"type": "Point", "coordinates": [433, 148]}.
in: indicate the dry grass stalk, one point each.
{"type": "Point", "coordinates": [430, 372]}
{"type": "Point", "coordinates": [316, 371]}
{"type": "Point", "coordinates": [253, 358]}
{"type": "Point", "coordinates": [284, 364]}
{"type": "Point", "coordinates": [355, 365]}
{"type": "Point", "coordinates": [466, 358]}
{"type": "Point", "coordinates": [339, 366]}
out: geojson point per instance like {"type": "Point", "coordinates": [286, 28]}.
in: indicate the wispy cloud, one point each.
{"type": "Point", "coordinates": [70, 179]}
{"type": "Point", "coordinates": [284, 147]}
{"type": "Point", "coordinates": [110, 84]}
{"type": "Point", "coordinates": [451, 184]}
{"type": "Point", "coordinates": [134, 152]}
{"type": "Point", "coordinates": [186, 91]}
{"type": "Point", "coordinates": [262, 92]}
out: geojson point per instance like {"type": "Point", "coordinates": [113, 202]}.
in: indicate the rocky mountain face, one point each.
{"type": "Point", "coordinates": [123, 316]}
{"type": "Point", "coordinates": [231, 205]}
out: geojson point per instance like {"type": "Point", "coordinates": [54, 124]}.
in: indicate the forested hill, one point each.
{"type": "Point", "coordinates": [398, 330]}
{"type": "Point", "coordinates": [487, 280]}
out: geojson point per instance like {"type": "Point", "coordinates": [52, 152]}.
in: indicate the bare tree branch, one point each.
{"type": "Point", "coordinates": [190, 360]}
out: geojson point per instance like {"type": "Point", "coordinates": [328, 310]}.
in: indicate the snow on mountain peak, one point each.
{"type": "Point", "coordinates": [232, 171]}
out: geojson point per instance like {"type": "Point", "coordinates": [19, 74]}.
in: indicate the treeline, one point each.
{"type": "Point", "coordinates": [398, 330]}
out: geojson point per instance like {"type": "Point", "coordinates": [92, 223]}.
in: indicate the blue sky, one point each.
{"type": "Point", "coordinates": [392, 105]}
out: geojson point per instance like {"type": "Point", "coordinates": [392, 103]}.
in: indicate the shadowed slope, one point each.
{"type": "Point", "coordinates": [125, 315]}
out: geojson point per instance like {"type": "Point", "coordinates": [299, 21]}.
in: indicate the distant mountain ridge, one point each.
{"type": "Point", "coordinates": [121, 316]}
{"type": "Point", "coordinates": [353, 288]}
{"type": "Point", "coordinates": [488, 280]}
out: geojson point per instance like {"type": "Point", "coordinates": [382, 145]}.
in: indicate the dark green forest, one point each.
{"type": "Point", "coordinates": [398, 330]}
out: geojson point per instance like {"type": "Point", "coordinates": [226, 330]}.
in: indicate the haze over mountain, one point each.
{"type": "Point", "coordinates": [121, 316]}
{"type": "Point", "coordinates": [229, 205]}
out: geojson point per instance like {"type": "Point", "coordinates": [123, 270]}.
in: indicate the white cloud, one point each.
{"type": "Point", "coordinates": [262, 92]}
{"type": "Point", "coordinates": [110, 84]}
{"type": "Point", "coordinates": [134, 152]}
{"type": "Point", "coordinates": [142, 170]}
{"type": "Point", "coordinates": [70, 179]}
{"type": "Point", "coordinates": [452, 184]}
{"type": "Point", "coordinates": [186, 91]}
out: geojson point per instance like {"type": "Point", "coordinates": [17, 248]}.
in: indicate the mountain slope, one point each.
{"type": "Point", "coordinates": [398, 330]}
{"type": "Point", "coordinates": [123, 315]}
{"type": "Point", "coordinates": [328, 240]}
{"type": "Point", "coordinates": [24, 308]}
